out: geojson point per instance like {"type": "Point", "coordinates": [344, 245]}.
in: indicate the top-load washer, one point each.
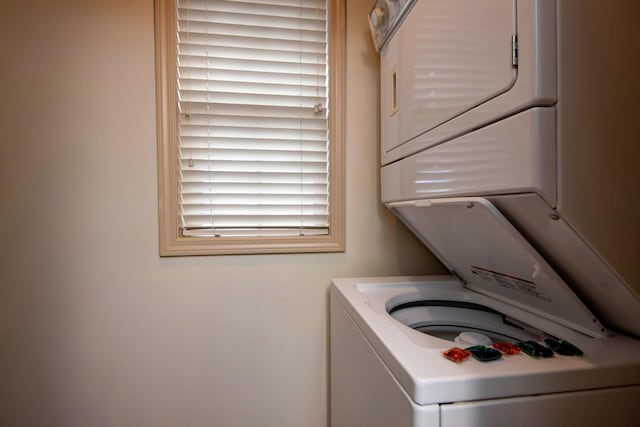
{"type": "Point", "coordinates": [388, 336]}
{"type": "Point", "coordinates": [507, 138]}
{"type": "Point", "coordinates": [397, 342]}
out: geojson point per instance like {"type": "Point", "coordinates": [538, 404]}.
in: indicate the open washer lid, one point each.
{"type": "Point", "coordinates": [479, 245]}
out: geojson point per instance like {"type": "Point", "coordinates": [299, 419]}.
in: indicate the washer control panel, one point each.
{"type": "Point", "coordinates": [385, 17]}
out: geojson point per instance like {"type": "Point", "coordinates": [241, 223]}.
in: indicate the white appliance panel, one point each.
{"type": "Point", "coordinates": [389, 88]}
{"type": "Point", "coordinates": [441, 72]}
{"type": "Point", "coordinates": [429, 111]}
{"type": "Point", "coordinates": [416, 362]}
{"type": "Point", "coordinates": [589, 275]}
{"type": "Point", "coordinates": [510, 156]}
{"type": "Point", "coordinates": [482, 248]}
{"type": "Point", "coordinates": [359, 378]}
{"type": "Point", "coordinates": [609, 407]}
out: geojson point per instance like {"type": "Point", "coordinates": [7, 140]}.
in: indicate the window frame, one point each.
{"type": "Point", "coordinates": [171, 242]}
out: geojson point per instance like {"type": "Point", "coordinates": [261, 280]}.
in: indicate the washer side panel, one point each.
{"type": "Point", "coordinates": [363, 391]}
{"type": "Point", "coordinates": [597, 408]}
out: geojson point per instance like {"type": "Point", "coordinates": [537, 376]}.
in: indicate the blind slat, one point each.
{"type": "Point", "coordinates": [241, 97]}
{"type": "Point", "coordinates": [264, 199]}
{"type": "Point", "coordinates": [249, 167]}
{"type": "Point", "coordinates": [210, 39]}
{"type": "Point", "coordinates": [248, 64]}
{"type": "Point", "coordinates": [255, 221]}
{"type": "Point", "coordinates": [268, 56]}
{"type": "Point", "coordinates": [270, 18]}
{"type": "Point", "coordinates": [252, 188]}
{"type": "Point", "coordinates": [196, 142]}
{"type": "Point", "coordinates": [253, 232]}
{"type": "Point", "coordinates": [200, 88]}
{"type": "Point", "coordinates": [240, 155]}
{"type": "Point", "coordinates": [209, 4]}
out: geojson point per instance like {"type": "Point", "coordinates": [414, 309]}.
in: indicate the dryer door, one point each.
{"type": "Point", "coordinates": [447, 57]}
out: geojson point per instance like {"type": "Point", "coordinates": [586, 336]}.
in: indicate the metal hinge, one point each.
{"type": "Point", "coordinates": [514, 50]}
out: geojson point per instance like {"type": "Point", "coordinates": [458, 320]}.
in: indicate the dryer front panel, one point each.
{"type": "Point", "coordinates": [514, 155]}
{"type": "Point", "coordinates": [437, 72]}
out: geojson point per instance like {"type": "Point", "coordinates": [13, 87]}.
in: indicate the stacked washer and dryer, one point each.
{"type": "Point", "coordinates": [509, 148]}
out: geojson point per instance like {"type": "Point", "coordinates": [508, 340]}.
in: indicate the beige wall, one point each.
{"type": "Point", "coordinates": [95, 328]}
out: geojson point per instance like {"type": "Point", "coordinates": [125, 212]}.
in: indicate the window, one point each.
{"type": "Point", "coordinates": [250, 126]}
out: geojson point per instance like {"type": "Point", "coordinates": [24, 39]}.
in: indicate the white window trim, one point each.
{"type": "Point", "coordinates": [171, 242]}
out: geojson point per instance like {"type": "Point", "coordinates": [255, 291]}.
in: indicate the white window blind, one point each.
{"type": "Point", "coordinates": [252, 117]}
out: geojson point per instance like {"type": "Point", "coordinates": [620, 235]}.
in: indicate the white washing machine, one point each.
{"type": "Point", "coordinates": [390, 337]}
{"type": "Point", "coordinates": [389, 370]}
{"type": "Point", "coordinates": [508, 148]}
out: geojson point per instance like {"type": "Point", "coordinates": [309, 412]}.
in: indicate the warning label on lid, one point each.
{"type": "Point", "coordinates": [509, 282]}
